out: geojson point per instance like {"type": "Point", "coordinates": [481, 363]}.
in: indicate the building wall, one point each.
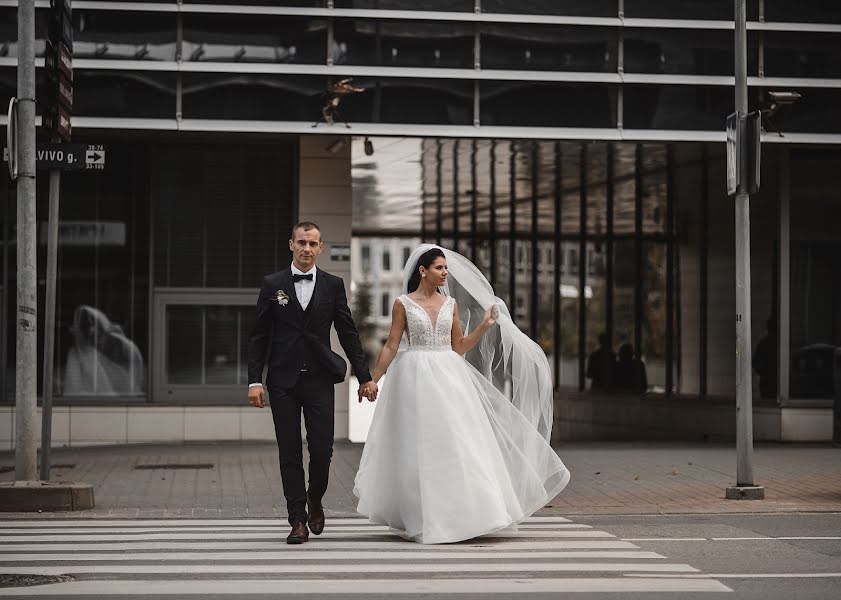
{"type": "Point", "coordinates": [324, 192]}
{"type": "Point", "coordinates": [325, 198]}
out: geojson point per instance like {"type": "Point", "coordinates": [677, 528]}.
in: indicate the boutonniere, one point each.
{"type": "Point", "coordinates": [282, 298]}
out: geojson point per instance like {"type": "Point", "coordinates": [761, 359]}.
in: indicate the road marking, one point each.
{"type": "Point", "coordinates": [277, 587]}
{"type": "Point", "coordinates": [487, 554]}
{"type": "Point", "coordinates": [356, 567]}
{"type": "Point", "coordinates": [204, 522]}
{"type": "Point", "coordinates": [745, 575]}
{"type": "Point", "coordinates": [72, 537]}
{"type": "Point", "coordinates": [664, 539]}
{"type": "Point", "coordinates": [284, 529]}
{"type": "Point", "coordinates": [392, 541]}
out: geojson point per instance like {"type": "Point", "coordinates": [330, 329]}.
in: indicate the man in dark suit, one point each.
{"type": "Point", "coordinates": [295, 311]}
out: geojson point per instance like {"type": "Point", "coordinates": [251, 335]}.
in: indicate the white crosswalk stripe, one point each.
{"type": "Point", "coordinates": [250, 557]}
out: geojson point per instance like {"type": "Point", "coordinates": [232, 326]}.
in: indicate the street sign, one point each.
{"type": "Point", "coordinates": [58, 63]}
{"type": "Point", "coordinates": [95, 157]}
{"type": "Point", "coordinates": [61, 23]}
{"type": "Point", "coordinates": [67, 157]}
{"type": "Point", "coordinates": [743, 152]}
{"type": "Point", "coordinates": [12, 139]}
{"type": "Point", "coordinates": [732, 131]}
{"type": "Point", "coordinates": [56, 118]}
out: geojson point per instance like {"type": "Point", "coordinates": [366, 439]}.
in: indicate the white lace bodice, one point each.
{"type": "Point", "coordinates": [420, 330]}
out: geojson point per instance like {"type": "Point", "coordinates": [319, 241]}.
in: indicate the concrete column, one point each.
{"type": "Point", "coordinates": [325, 197]}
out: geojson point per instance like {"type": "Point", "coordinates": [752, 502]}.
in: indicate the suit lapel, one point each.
{"type": "Point", "coordinates": [288, 286]}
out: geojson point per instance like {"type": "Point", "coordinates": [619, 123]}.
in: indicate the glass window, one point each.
{"type": "Point", "coordinates": [443, 5]}
{"type": "Point", "coordinates": [547, 154]}
{"type": "Point", "coordinates": [254, 38]}
{"type": "Point", "coordinates": [8, 85]}
{"type": "Point", "coordinates": [653, 334]}
{"type": "Point", "coordinates": [366, 257]}
{"type": "Point", "coordinates": [624, 283]}
{"type": "Point", "coordinates": [624, 188]}
{"type": "Point", "coordinates": [679, 106]}
{"type": "Point", "coordinates": [407, 251]}
{"type": "Point", "coordinates": [386, 260]}
{"type": "Point", "coordinates": [571, 188]}
{"type": "Point", "coordinates": [532, 104]}
{"type": "Point", "coordinates": [595, 295]}
{"type": "Point", "coordinates": [253, 96]}
{"type": "Point", "coordinates": [809, 11]}
{"type": "Point", "coordinates": [102, 345]}
{"type": "Point", "coordinates": [221, 192]}
{"type": "Point", "coordinates": [385, 304]}
{"type": "Point", "coordinates": [107, 34]}
{"type": "Point", "coordinates": [815, 112]}
{"type": "Point", "coordinates": [409, 100]}
{"type": "Point", "coordinates": [569, 317]}
{"type": "Point", "coordinates": [590, 8]}
{"type": "Point", "coordinates": [526, 157]}
{"type": "Point", "coordinates": [403, 43]}
{"type": "Point", "coordinates": [815, 310]}
{"type": "Point", "coordinates": [680, 9]}
{"type": "Point", "coordinates": [802, 54]}
{"type": "Point", "coordinates": [683, 51]}
{"type": "Point", "coordinates": [208, 345]}
{"type": "Point", "coordinates": [654, 188]}
{"type": "Point", "coordinates": [133, 94]}
{"type": "Point", "coordinates": [388, 186]}
{"type": "Point", "coordinates": [548, 47]}
{"type": "Point", "coordinates": [596, 178]}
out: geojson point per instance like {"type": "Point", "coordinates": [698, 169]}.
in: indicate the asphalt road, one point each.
{"type": "Point", "coordinates": [782, 555]}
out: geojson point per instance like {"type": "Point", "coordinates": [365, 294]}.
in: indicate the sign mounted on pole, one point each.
{"type": "Point", "coordinates": [58, 65]}
{"type": "Point", "coordinates": [743, 152]}
{"type": "Point", "coordinates": [67, 157]}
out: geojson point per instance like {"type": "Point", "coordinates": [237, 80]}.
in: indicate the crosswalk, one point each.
{"type": "Point", "coordinates": [242, 557]}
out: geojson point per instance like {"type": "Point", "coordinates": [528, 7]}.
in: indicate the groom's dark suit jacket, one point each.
{"type": "Point", "coordinates": [300, 339]}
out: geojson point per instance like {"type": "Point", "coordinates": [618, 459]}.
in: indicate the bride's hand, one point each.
{"type": "Point", "coordinates": [491, 315]}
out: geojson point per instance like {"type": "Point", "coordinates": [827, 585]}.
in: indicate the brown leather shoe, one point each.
{"type": "Point", "coordinates": [299, 534]}
{"type": "Point", "coordinates": [316, 516]}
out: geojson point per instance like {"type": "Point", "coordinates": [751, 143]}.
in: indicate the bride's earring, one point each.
{"type": "Point", "coordinates": [423, 274]}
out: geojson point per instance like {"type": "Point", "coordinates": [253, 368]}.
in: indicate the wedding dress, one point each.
{"type": "Point", "coordinates": [449, 456]}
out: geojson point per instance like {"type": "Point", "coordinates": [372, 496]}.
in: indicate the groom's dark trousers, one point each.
{"type": "Point", "coordinates": [302, 370]}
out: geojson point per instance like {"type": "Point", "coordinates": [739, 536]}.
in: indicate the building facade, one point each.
{"type": "Point", "coordinates": [574, 150]}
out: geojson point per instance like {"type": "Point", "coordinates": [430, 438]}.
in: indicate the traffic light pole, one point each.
{"type": "Point", "coordinates": [744, 488]}
{"type": "Point", "coordinates": [26, 361]}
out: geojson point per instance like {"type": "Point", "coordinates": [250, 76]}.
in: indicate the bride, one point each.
{"type": "Point", "coordinates": [459, 442]}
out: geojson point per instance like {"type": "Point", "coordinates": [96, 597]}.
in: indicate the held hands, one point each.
{"type": "Point", "coordinates": [257, 396]}
{"type": "Point", "coordinates": [368, 390]}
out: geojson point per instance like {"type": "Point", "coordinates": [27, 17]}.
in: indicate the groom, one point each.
{"type": "Point", "coordinates": [295, 310]}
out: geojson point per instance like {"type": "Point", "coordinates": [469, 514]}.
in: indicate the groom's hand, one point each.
{"type": "Point", "coordinates": [368, 390]}
{"type": "Point", "coordinates": [257, 396]}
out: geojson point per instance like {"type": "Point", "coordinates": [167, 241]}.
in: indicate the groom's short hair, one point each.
{"type": "Point", "coordinates": [306, 226]}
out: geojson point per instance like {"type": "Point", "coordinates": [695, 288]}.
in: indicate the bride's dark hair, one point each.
{"type": "Point", "coordinates": [426, 259]}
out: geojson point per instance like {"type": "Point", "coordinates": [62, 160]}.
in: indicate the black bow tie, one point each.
{"type": "Point", "coordinates": [296, 277]}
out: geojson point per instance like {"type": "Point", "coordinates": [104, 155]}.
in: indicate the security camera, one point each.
{"type": "Point", "coordinates": [774, 101]}
{"type": "Point", "coordinates": [784, 97]}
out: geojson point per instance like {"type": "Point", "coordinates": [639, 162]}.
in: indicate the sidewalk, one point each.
{"type": "Point", "coordinates": [231, 480]}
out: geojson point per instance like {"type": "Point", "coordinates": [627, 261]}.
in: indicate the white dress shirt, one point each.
{"type": "Point", "coordinates": [303, 290]}
{"type": "Point", "coordinates": [304, 287]}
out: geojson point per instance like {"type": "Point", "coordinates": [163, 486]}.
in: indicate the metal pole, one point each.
{"type": "Point", "coordinates": [49, 324]}
{"type": "Point", "coordinates": [27, 300]}
{"type": "Point", "coordinates": [744, 408]}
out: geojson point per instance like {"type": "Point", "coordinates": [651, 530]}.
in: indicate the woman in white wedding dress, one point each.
{"type": "Point", "coordinates": [459, 443]}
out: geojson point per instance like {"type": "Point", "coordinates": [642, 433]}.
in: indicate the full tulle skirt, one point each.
{"type": "Point", "coordinates": [448, 457]}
